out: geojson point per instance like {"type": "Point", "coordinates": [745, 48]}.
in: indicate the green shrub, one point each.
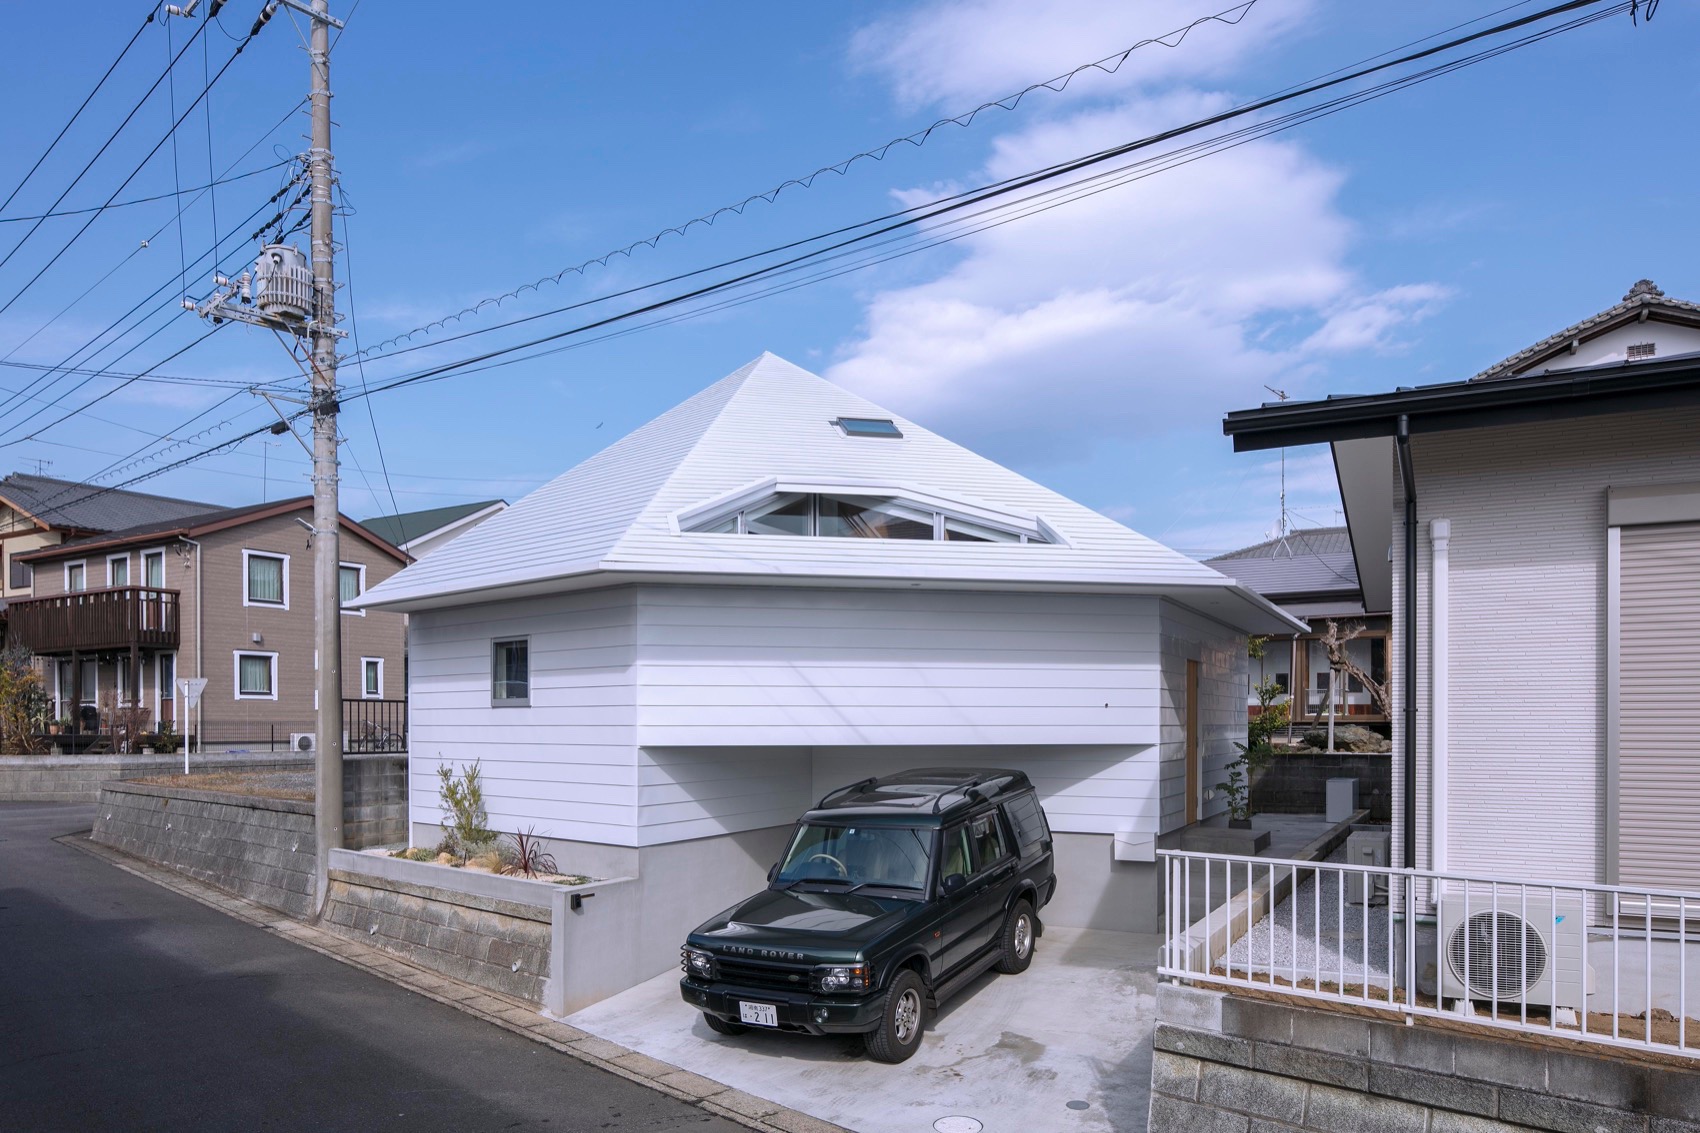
{"type": "Point", "coordinates": [465, 819]}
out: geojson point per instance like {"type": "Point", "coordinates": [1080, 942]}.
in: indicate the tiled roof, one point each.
{"type": "Point", "coordinates": [615, 516]}
{"type": "Point", "coordinates": [88, 507]}
{"type": "Point", "coordinates": [410, 525]}
{"type": "Point", "coordinates": [1310, 561]}
{"type": "Point", "coordinates": [1644, 297]}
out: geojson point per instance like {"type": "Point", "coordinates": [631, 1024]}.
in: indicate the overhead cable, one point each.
{"type": "Point", "coordinates": [1109, 64]}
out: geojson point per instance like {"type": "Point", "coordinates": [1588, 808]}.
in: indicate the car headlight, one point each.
{"type": "Point", "coordinates": [842, 977]}
{"type": "Point", "coordinates": [696, 962]}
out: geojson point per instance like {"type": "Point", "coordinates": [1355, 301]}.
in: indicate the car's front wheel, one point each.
{"type": "Point", "coordinates": [899, 1034]}
{"type": "Point", "coordinates": [1020, 930]}
{"type": "Point", "coordinates": [723, 1026]}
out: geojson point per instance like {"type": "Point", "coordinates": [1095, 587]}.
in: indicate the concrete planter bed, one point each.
{"type": "Point", "coordinates": [523, 937]}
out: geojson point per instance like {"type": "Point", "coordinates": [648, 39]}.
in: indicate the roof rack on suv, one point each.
{"type": "Point", "coordinates": [967, 789]}
{"type": "Point", "coordinates": [850, 790]}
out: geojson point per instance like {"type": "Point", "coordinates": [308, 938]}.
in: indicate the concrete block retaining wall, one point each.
{"type": "Point", "coordinates": [260, 849]}
{"type": "Point", "coordinates": [493, 943]}
{"type": "Point", "coordinates": [1297, 784]}
{"type": "Point", "coordinates": [78, 778]}
{"type": "Point", "coordinates": [1230, 1064]}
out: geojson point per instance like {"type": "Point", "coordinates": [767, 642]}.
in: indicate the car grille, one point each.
{"type": "Point", "coordinates": [757, 973]}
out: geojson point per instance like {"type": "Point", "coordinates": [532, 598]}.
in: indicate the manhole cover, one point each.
{"type": "Point", "coordinates": [957, 1124]}
{"type": "Point", "coordinates": [1078, 1104]}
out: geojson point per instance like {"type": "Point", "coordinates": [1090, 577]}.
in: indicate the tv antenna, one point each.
{"type": "Point", "coordinates": [1281, 530]}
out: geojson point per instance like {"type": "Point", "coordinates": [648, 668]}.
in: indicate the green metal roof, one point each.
{"type": "Point", "coordinates": [410, 525]}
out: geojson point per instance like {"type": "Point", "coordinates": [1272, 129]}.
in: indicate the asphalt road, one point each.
{"type": "Point", "coordinates": [126, 1006]}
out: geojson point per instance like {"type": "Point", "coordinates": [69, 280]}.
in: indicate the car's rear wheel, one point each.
{"type": "Point", "coordinates": [901, 1022]}
{"type": "Point", "coordinates": [1020, 931]}
{"type": "Point", "coordinates": [723, 1026]}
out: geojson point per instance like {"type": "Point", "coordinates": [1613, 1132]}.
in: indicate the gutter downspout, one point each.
{"type": "Point", "coordinates": [1440, 692]}
{"type": "Point", "coordinates": [1402, 440]}
{"type": "Point", "coordinates": [200, 732]}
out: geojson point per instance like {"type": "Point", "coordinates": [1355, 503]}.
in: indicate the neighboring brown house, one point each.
{"type": "Point", "coordinates": [226, 595]}
{"type": "Point", "coordinates": [44, 511]}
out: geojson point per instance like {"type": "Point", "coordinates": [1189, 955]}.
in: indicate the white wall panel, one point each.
{"type": "Point", "coordinates": [741, 667]}
{"type": "Point", "coordinates": [1527, 505]}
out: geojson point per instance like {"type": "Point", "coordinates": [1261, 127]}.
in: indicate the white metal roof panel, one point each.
{"type": "Point", "coordinates": [615, 514]}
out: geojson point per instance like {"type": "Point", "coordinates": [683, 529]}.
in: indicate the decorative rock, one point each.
{"type": "Point", "coordinates": [1347, 737]}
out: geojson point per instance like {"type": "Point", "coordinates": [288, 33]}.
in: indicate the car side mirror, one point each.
{"type": "Point", "coordinates": [772, 873]}
{"type": "Point", "coordinates": [953, 882]}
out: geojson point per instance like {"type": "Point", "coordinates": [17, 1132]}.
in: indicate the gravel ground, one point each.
{"type": "Point", "coordinates": [1337, 945]}
{"type": "Point", "coordinates": [266, 784]}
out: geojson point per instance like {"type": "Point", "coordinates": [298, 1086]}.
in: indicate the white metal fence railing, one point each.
{"type": "Point", "coordinates": [1594, 963]}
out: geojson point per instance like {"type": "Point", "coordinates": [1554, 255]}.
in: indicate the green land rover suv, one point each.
{"type": "Point", "coordinates": [893, 894]}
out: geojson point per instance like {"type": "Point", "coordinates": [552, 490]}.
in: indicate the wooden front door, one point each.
{"type": "Point", "coordinates": [1193, 769]}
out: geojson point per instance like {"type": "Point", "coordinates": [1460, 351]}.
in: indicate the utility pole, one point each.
{"type": "Point", "coordinates": [288, 296]}
{"type": "Point", "coordinates": [326, 521]}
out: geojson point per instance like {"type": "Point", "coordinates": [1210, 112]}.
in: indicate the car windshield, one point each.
{"type": "Point", "coordinates": [892, 857]}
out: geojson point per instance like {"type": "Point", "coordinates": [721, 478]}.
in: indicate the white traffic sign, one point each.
{"type": "Point", "coordinates": [192, 687]}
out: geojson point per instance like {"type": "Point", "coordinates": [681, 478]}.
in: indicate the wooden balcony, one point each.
{"type": "Point", "coordinates": [91, 621]}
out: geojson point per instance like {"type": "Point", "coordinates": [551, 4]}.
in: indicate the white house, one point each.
{"type": "Point", "coordinates": [666, 655]}
{"type": "Point", "coordinates": [1536, 532]}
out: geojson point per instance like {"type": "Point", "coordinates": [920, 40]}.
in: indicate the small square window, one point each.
{"type": "Point", "coordinates": [510, 682]}
{"type": "Point", "coordinates": [256, 676]}
{"type": "Point", "coordinates": [23, 576]}
{"type": "Point", "coordinates": [268, 579]}
{"type": "Point", "coordinates": [869, 427]}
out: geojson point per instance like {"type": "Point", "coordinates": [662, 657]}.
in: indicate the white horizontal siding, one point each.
{"type": "Point", "coordinates": [742, 667]}
{"type": "Point", "coordinates": [566, 763]}
{"type": "Point", "coordinates": [1223, 674]}
{"type": "Point", "coordinates": [1527, 505]}
{"type": "Point", "coordinates": [697, 793]}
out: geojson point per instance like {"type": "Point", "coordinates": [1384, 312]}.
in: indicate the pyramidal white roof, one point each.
{"type": "Point", "coordinates": [770, 426]}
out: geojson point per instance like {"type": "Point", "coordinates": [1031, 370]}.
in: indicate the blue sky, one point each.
{"type": "Point", "coordinates": [1094, 347]}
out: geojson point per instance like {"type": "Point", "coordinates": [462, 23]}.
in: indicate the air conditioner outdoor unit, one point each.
{"type": "Point", "coordinates": [1529, 948]}
{"type": "Point", "coordinates": [1367, 848]}
{"type": "Point", "coordinates": [303, 741]}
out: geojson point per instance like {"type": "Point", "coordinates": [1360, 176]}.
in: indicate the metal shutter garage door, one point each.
{"type": "Point", "coordinates": [1659, 708]}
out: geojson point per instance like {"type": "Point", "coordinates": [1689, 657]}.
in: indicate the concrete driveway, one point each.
{"type": "Point", "coordinates": [1064, 1047]}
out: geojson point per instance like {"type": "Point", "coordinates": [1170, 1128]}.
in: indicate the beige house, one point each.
{"type": "Point", "coordinates": [228, 596]}
{"type": "Point", "coordinates": [44, 511]}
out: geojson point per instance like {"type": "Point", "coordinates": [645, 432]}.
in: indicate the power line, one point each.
{"type": "Point", "coordinates": [1077, 189]}
{"type": "Point", "coordinates": [975, 197]}
{"type": "Point", "coordinates": [134, 110]}
{"type": "Point", "coordinates": [156, 233]}
{"type": "Point", "coordinates": [354, 329]}
{"type": "Point", "coordinates": [198, 189]}
{"type": "Point", "coordinates": [63, 130]}
{"type": "Point", "coordinates": [258, 24]}
{"type": "Point", "coordinates": [1109, 64]}
{"type": "Point", "coordinates": [90, 343]}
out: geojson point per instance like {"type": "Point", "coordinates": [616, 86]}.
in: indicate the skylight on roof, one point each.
{"type": "Point", "coordinates": [869, 427]}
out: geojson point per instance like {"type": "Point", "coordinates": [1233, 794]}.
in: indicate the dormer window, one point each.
{"type": "Point", "coordinates": [869, 427]}
{"type": "Point", "coordinates": [843, 515]}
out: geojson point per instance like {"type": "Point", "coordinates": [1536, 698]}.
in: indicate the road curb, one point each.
{"type": "Point", "coordinates": [516, 1015]}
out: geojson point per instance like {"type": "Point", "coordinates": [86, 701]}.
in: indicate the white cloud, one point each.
{"type": "Point", "coordinates": [1145, 309]}
{"type": "Point", "coordinates": [964, 53]}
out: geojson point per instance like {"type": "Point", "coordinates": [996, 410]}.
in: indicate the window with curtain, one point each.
{"type": "Point", "coordinates": [265, 580]}
{"type": "Point", "coordinates": [118, 572]}
{"type": "Point", "coordinates": [254, 675]}
{"type": "Point", "coordinates": [76, 577]}
{"type": "Point", "coordinates": [153, 569]}
{"type": "Point", "coordinates": [348, 583]}
{"type": "Point", "coordinates": [511, 683]}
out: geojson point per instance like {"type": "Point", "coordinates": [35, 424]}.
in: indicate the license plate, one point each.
{"type": "Point", "coordinates": [758, 1014]}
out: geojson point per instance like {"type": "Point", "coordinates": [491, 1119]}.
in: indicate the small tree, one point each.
{"type": "Point", "coordinates": [1255, 752]}
{"type": "Point", "coordinates": [1335, 640]}
{"type": "Point", "coordinates": [24, 704]}
{"type": "Point", "coordinates": [465, 819]}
